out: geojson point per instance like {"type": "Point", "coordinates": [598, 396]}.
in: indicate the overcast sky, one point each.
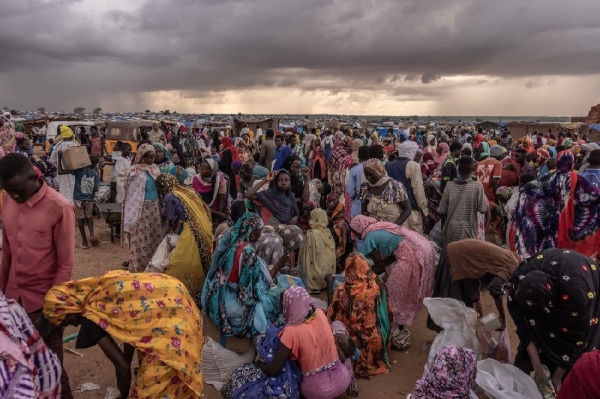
{"type": "Point", "coordinates": [393, 57]}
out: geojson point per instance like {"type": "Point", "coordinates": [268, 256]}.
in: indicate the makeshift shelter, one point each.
{"type": "Point", "coordinates": [238, 124]}
{"type": "Point", "coordinates": [487, 125]}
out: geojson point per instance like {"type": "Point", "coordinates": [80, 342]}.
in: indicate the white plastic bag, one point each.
{"type": "Point", "coordinates": [459, 325]}
{"type": "Point", "coordinates": [504, 381]}
{"type": "Point", "coordinates": [160, 260]}
{"type": "Point", "coordinates": [218, 363]}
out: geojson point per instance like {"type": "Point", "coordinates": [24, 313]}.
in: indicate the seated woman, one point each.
{"type": "Point", "coordinates": [298, 183]}
{"type": "Point", "coordinates": [235, 294]}
{"type": "Point", "coordinates": [275, 242]}
{"type": "Point", "coordinates": [127, 307]}
{"type": "Point", "coordinates": [451, 375]}
{"type": "Point", "coordinates": [470, 265]}
{"type": "Point", "coordinates": [213, 186]}
{"type": "Point", "coordinates": [317, 255]}
{"type": "Point", "coordinates": [308, 338]}
{"type": "Point", "coordinates": [554, 304]}
{"type": "Point", "coordinates": [382, 197]}
{"type": "Point", "coordinates": [361, 304]}
{"type": "Point", "coordinates": [188, 216]}
{"type": "Point", "coordinates": [276, 205]}
{"type": "Point", "coordinates": [249, 381]}
{"type": "Point", "coordinates": [408, 260]}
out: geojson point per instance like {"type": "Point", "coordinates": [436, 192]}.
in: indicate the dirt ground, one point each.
{"type": "Point", "coordinates": [96, 368]}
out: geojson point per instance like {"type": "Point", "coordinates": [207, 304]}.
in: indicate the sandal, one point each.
{"type": "Point", "coordinates": [94, 241]}
{"type": "Point", "coordinates": [85, 246]}
{"type": "Point", "coordinates": [401, 339]}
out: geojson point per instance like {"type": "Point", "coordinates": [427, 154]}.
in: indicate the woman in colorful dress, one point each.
{"type": "Point", "coordinates": [189, 217]}
{"type": "Point", "coordinates": [555, 305]}
{"type": "Point", "coordinates": [340, 231]}
{"type": "Point", "coordinates": [564, 201]}
{"type": "Point", "coordinates": [338, 166]}
{"type": "Point", "coordinates": [316, 162]}
{"type": "Point", "coordinates": [141, 210]}
{"type": "Point", "coordinates": [361, 304]}
{"type": "Point", "coordinates": [382, 197]}
{"type": "Point", "coordinates": [451, 375]}
{"type": "Point", "coordinates": [213, 187]}
{"type": "Point", "coordinates": [408, 260]}
{"type": "Point", "coordinates": [308, 338]}
{"type": "Point", "coordinates": [149, 312]}
{"type": "Point", "coordinates": [235, 294]}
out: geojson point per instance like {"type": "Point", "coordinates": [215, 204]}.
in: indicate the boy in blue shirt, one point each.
{"type": "Point", "coordinates": [87, 182]}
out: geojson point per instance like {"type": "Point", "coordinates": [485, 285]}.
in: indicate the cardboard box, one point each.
{"type": "Point", "coordinates": [76, 158]}
{"type": "Point", "coordinates": [237, 345]}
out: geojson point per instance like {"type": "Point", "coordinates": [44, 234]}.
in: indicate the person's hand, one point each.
{"type": "Point", "coordinates": [293, 221]}
{"type": "Point", "coordinates": [306, 173]}
{"type": "Point", "coordinates": [539, 376]}
{"type": "Point", "coordinates": [502, 324]}
{"type": "Point", "coordinates": [270, 177]}
{"type": "Point", "coordinates": [283, 261]}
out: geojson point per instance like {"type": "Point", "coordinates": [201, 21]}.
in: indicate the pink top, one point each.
{"type": "Point", "coordinates": [38, 246]}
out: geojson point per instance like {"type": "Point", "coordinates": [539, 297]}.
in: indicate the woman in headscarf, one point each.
{"type": "Point", "coordinates": [555, 305]}
{"type": "Point", "coordinates": [479, 138]}
{"type": "Point", "coordinates": [428, 166]}
{"type": "Point", "coordinates": [228, 156]}
{"type": "Point", "coordinates": [315, 189]}
{"type": "Point", "coordinates": [163, 159]}
{"type": "Point", "coordinates": [528, 145]}
{"type": "Point", "coordinates": [382, 197]}
{"type": "Point", "coordinates": [29, 369]}
{"type": "Point", "coordinates": [451, 375]}
{"type": "Point", "coordinates": [243, 151]}
{"type": "Point", "coordinates": [189, 217]}
{"type": "Point", "coordinates": [559, 210]}
{"type": "Point", "coordinates": [586, 150]}
{"type": "Point", "coordinates": [65, 140]}
{"type": "Point", "coordinates": [235, 294]}
{"type": "Point", "coordinates": [298, 178]}
{"type": "Point", "coordinates": [141, 211]}
{"type": "Point", "coordinates": [582, 381]}
{"type": "Point", "coordinates": [308, 338]}
{"type": "Point", "coordinates": [318, 170]}
{"type": "Point", "coordinates": [441, 153]}
{"type": "Point", "coordinates": [249, 381]}
{"type": "Point", "coordinates": [408, 260]}
{"type": "Point", "coordinates": [431, 145]}
{"type": "Point", "coordinates": [357, 143]}
{"type": "Point", "coordinates": [149, 312]}
{"type": "Point", "coordinates": [338, 166]}
{"type": "Point", "coordinates": [275, 242]}
{"type": "Point", "coordinates": [317, 255]}
{"type": "Point", "coordinates": [361, 304]}
{"type": "Point", "coordinates": [213, 186]}
{"type": "Point", "coordinates": [276, 205]}
{"type": "Point", "coordinates": [341, 232]}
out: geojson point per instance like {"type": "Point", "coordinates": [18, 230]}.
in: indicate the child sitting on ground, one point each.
{"type": "Point", "coordinates": [87, 183]}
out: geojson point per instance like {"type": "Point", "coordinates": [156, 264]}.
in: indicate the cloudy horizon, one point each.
{"type": "Point", "coordinates": [373, 57]}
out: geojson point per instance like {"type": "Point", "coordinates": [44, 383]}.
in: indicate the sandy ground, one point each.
{"type": "Point", "coordinates": [95, 367]}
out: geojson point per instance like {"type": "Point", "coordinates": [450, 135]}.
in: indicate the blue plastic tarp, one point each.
{"type": "Point", "coordinates": [595, 126]}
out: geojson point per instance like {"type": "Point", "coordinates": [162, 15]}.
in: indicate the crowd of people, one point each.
{"type": "Point", "coordinates": [249, 227]}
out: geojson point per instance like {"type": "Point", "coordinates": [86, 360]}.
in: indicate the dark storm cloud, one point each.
{"type": "Point", "coordinates": [218, 45]}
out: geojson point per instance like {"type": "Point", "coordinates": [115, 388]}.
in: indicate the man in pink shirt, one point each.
{"type": "Point", "coordinates": [38, 243]}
